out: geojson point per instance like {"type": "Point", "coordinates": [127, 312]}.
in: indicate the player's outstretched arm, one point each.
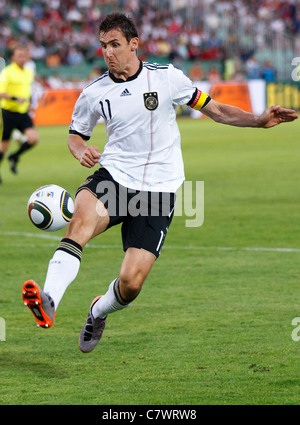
{"type": "Point", "coordinates": [232, 115]}
{"type": "Point", "coordinates": [88, 156]}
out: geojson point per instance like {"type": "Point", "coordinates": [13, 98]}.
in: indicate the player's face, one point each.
{"type": "Point", "coordinates": [118, 54]}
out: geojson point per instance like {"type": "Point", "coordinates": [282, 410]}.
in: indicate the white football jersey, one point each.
{"type": "Point", "coordinates": [142, 150]}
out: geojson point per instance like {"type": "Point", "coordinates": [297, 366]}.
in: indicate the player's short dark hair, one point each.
{"type": "Point", "coordinates": [121, 22]}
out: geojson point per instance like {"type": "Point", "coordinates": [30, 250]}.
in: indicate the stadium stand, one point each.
{"type": "Point", "coordinates": [234, 39]}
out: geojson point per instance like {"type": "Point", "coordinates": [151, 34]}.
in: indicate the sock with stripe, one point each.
{"type": "Point", "coordinates": [110, 302]}
{"type": "Point", "coordinates": [63, 269]}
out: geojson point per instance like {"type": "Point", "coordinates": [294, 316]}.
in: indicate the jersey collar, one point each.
{"type": "Point", "coordinates": [17, 66]}
{"type": "Point", "coordinates": [133, 77]}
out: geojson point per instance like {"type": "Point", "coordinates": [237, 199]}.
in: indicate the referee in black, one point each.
{"type": "Point", "coordinates": [15, 93]}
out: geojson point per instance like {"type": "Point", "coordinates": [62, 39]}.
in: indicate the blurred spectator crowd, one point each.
{"type": "Point", "coordinates": [65, 32]}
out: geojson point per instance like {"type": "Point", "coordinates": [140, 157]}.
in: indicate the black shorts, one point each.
{"type": "Point", "coordinates": [145, 216]}
{"type": "Point", "coordinates": [12, 120]}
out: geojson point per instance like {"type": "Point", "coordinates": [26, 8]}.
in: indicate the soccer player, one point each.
{"type": "Point", "coordinates": [141, 159]}
{"type": "Point", "coordinates": [15, 92]}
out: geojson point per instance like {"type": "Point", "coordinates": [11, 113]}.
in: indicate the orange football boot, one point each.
{"type": "Point", "coordinates": [40, 303]}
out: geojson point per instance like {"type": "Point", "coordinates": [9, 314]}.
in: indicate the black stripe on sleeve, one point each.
{"type": "Point", "coordinates": [79, 134]}
{"type": "Point", "coordinates": [193, 97]}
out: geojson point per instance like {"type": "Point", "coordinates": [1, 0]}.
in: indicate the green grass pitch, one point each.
{"type": "Point", "coordinates": [213, 323]}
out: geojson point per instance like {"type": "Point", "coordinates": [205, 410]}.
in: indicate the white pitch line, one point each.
{"type": "Point", "coordinates": [48, 236]}
{"type": "Point", "coordinates": [32, 235]}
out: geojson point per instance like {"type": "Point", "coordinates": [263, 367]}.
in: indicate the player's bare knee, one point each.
{"type": "Point", "coordinates": [32, 136]}
{"type": "Point", "coordinates": [33, 140]}
{"type": "Point", "coordinates": [4, 145]}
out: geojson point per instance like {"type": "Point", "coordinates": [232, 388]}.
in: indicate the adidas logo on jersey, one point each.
{"type": "Point", "coordinates": [126, 92]}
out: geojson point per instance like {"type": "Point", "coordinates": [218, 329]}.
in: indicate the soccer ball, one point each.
{"type": "Point", "coordinates": [50, 208]}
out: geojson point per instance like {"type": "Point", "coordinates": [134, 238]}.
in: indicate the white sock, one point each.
{"type": "Point", "coordinates": [62, 270]}
{"type": "Point", "coordinates": [109, 303]}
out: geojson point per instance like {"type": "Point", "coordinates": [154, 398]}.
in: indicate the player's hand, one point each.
{"type": "Point", "coordinates": [21, 100]}
{"type": "Point", "coordinates": [276, 115]}
{"type": "Point", "coordinates": [90, 156]}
